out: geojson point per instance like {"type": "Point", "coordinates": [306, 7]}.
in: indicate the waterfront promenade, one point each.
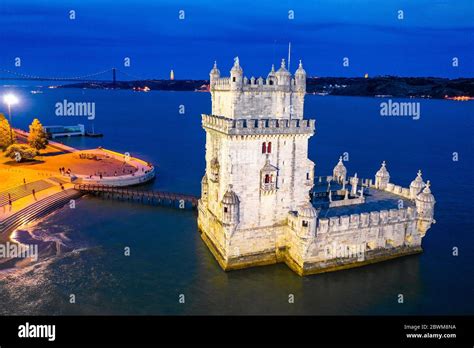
{"type": "Point", "coordinates": [50, 179]}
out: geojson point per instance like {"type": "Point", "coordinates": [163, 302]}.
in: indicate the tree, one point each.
{"type": "Point", "coordinates": [5, 135]}
{"type": "Point", "coordinates": [21, 152]}
{"type": "Point", "coordinates": [37, 138]}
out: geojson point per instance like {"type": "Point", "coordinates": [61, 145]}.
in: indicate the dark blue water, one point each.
{"type": "Point", "coordinates": [167, 256]}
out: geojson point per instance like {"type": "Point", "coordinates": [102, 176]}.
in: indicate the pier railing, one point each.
{"type": "Point", "coordinates": [176, 200]}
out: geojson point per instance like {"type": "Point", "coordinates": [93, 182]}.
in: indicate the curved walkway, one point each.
{"type": "Point", "coordinates": [53, 191]}
{"type": "Point", "coordinates": [144, 171]}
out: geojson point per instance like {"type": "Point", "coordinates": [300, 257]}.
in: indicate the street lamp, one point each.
{"type": "Point", "coordinates": [10, 100]}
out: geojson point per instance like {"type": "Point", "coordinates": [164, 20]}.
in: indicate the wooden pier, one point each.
{"type": "Point", "coordinates": [174, 200]}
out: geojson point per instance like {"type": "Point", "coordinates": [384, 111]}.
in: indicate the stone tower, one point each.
{"type": "Point", "coordinates": [257, 166]}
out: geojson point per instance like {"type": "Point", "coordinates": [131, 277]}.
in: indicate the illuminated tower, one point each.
{"type": "Point", "coordinates": [257, 168]}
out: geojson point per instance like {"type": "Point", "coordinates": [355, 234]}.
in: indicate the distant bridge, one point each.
{"type": "Point", "coordinates": [174, 200]}
{"type": "Point", "coordinates": [92, 77]}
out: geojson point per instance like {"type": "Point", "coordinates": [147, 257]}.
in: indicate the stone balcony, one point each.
{"type": "Point", "coordinates": [268, 187]}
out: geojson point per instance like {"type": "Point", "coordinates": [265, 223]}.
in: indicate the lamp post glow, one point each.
{"type": "Point", "coordinates": [10, 100]}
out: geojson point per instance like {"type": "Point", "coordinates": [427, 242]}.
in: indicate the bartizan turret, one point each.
{"type": "Point", "coordinates": [416, 185]}
{"type": "Point", "coordinates": [339, 172]}
{"type": "Point", "coordinates": [307, 221]}
{"type": "Point", "coordinates": [300, 79]}
{"type": "Point", "coordinates": [425, 202]}
{"type": "Point", "coordinates": [236, 76]}
{"type": "Point", "coordinates": [283, 76]}
{"type": "Point", "coordinates": [230, 207]}
{"type": "Point", "coordinates": [214, 75]}
{"type": "Point", "coordinates": [271, 78]}
{"type": "Point", "coordinates": [382, 177]}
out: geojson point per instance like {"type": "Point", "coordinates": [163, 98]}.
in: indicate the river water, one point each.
{"type": "Point", "coordinates": [167, 257]}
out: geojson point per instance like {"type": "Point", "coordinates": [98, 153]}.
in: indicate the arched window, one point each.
{"type": "Point", "coordinates": [271, 178]}
{"type": "Point", "coordinates": [233, 79]}
{"type": "Point", "coordinates": [264, 148]}
{"type": "Point", "coordinates": [305, 223]}
{"type": "Point", "coordinates": [269, 148]}
{"type": "Point", "coordinates": [267, 179]}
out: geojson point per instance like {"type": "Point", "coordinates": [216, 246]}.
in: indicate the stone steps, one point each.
{"type": "Point", "coordinates": [23, 191]}
{"type": "Point", "coordinates": [38, 209]}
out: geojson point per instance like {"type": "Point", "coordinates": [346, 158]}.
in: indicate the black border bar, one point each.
{"type": "Point", "coordinates": [222, 330]}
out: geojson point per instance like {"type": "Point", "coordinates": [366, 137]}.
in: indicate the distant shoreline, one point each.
{"type": "Point", "coordinates": [379, 86]}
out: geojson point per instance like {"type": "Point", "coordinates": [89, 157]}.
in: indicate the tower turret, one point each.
{"type": "Point", "coordinates": [300, 79]}
{"type": "Point", "coordinates": [416, 186]}
{"type": "Point", "coordinates": [283, 76]}
{"type": "Point", "coordinates": [382, 177]}
{"type": "Point", "coordinates": [236, 75]}
{"type": "Point", "coordinates": [425, 202]}
{"type": "Point", "coordinates": [271, 78]}
{"type": "Point", "coordinates": [339, 172]}
{"type": "Point", "coordinates": [230, 207]}
{"type": "Point", "coordinates": [214, 75]}
{"type": "Point", "coordinates": [307, 217]}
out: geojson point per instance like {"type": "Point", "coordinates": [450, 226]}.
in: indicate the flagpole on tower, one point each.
{"type": "Point", "coordinates": [289, 55]}
{"type": "Point", "coordinates": [289, 61]}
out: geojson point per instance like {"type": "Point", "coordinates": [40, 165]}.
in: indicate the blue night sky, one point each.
{"type": "Point", "coordinates": [322, 33]}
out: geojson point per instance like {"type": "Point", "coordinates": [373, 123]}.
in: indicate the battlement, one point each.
{"type": "Point", "coordinates": [259, 84]}
{"type": "Point", "coordinates": [258, 126]}
{"type": "Point", "coordinates": [368, 219]}
{"type": "Point", "coordinates": [398, 190]}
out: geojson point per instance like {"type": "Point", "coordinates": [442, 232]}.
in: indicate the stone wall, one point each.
{"type": "Point", "coordinates": [256, 100]}
{"type": "Point", "coordinates": [241, 160]}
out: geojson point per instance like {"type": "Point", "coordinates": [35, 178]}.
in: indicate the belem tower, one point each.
{"type": "Point", "coordinates": [261, 202]}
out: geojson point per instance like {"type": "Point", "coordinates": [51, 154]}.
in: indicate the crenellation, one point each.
{"type": "Point", "coordinates": [405, 192]}
{"type": "Point", "coordinates": [383, 216]}
{"type": "Point", "coordinates": [354, 222]}
{"type": "Point", "coordinates": [261, 126]}
{"type": "Point", "coordinates": [367, 219]}
{"type": "Point", "coordinates": [374, 218]}
{"type": "Point", "coordinates": [344, 222]}
{"type": "Point", "coordinates": [334, 222]}
{"type": "Point", "coordinates": [393, 215]}
{"type": "Point", "coordinates": [364, 219]}
{"type": "Point", "coordinates": [323, 225]}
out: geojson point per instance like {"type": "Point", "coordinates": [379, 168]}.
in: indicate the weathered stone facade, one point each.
{"type": "Point", "coordinates": [255, 207]}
